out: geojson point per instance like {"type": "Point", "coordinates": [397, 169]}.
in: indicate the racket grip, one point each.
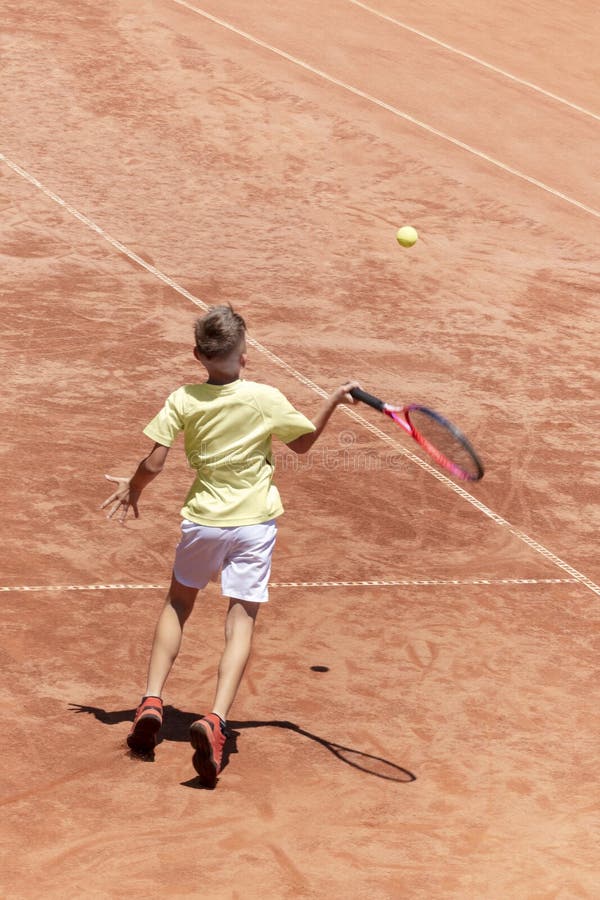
{"type": "Point", "coordinates": [369, 399]}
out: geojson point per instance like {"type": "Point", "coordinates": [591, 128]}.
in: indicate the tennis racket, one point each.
{"type": "Point", "coordinates": [442, 440]}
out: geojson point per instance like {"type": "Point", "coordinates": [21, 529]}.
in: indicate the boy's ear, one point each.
{"type": "Point", "coordinates": [196, 354]}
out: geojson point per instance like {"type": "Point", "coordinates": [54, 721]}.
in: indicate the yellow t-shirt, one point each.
{"type": "Point", "coordinates": [227, 431]}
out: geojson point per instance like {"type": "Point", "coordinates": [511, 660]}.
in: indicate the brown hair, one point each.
{"type": "Point", "coordinates": [219, 332]}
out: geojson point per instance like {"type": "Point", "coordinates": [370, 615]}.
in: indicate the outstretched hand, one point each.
{"type": "Point", "coordinates": [122, 499]}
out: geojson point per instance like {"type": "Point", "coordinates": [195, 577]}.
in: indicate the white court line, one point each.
{"type": "Point", "coordinates": [389, 108]}
{"type": "Point", "coordinates": [403, 582]}
{"type": "Point", "coordinates": [294, 373]}
{"type": "Point", "coordinates": [476, 59]}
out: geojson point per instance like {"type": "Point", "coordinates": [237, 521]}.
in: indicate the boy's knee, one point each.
{"type": "Point", "coordinates": [183, 606]}
{"type": "Point", "coordinates": [241, 617]}
{"type": "Point", "coordinates": [182, 599]}
{"type": "Point", "coordinates": [243, 610]}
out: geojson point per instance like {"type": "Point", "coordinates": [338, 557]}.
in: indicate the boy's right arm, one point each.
{"type": "Point", "coordinates": [303, 443]}
{"type": "Point", "coordinates": [129, 489]}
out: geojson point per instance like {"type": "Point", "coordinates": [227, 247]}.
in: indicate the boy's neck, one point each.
{"type": "Point", "coordinates": [217, 380]}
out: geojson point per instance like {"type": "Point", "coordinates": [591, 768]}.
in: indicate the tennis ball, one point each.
{"type": "Point", "coordinates": [407, 236]}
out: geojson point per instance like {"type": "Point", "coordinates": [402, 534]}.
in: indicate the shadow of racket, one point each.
{"type": "Point", "coordinates": [357, 759]}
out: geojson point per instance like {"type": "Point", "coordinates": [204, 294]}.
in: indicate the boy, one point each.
{"type": "Point", "coordinates": [228, 517]}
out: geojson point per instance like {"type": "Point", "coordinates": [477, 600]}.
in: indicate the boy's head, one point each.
{"type": "Point", "coordinates": [221, 341]}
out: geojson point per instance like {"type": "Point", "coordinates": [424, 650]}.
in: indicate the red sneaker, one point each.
{"type": "Point", "coordinates": [208, 739]}
{"type": "Point", "coordinates": [148, 719]}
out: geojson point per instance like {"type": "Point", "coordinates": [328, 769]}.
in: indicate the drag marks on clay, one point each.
{"type": "Point", "coordinates": [33, 243]}
{"type": "Point", "coordinates": [291, 874]}
{"type": "Point", "coordinates": [422, 653]}
{"type": "Point", "coordinates": [100, 764]}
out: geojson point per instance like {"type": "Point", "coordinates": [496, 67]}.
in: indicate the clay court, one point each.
{"type": "Point", "coordinates": [419, 717]}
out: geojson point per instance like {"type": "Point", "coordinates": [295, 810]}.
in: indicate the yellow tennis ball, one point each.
{"type": "Point", "coordinates": [407, 236]}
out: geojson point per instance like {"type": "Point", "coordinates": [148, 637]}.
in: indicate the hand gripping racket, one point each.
{"type": "Point", "coordinates": [444, 442]}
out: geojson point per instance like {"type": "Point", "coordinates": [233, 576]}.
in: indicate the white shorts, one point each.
{"type": "Point", "coordinates": [242, 553]}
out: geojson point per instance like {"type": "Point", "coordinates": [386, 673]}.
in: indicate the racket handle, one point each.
{"type": "Point", "coordinates": [369, 399]}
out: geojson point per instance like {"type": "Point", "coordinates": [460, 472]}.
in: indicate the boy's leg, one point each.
{"type": "Point", "coordinates": [165, 647]}
{"type": "Point", "coordinates": [208, 735]}
{"type": "Point", "coordinates": [167, 636]}
{"type": "Point", "coordinates": [239, 629]}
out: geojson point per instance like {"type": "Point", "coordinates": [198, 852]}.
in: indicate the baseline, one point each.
{"type": "Point", "coordinates": [403, 582]}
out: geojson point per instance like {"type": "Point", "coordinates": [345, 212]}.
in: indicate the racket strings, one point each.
{"type": "Point", "coordinates": [444, 442]}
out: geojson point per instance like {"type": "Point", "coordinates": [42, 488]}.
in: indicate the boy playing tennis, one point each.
{"type": "Point", "coordinates": [228, 517]}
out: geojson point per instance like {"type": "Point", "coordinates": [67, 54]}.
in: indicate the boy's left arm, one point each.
{"type": "Point", "coordinates": [128, 491]}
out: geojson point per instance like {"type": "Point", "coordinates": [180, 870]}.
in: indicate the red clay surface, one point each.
{"type": "Point", "coordinates": [450, 749]}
